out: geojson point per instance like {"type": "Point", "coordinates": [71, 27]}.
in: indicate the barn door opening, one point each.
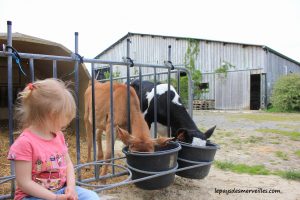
{"type": "Point", "coordinates": [255, 92]}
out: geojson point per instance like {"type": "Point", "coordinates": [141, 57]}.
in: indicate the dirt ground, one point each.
{"type": "Point", "coordinates": [189, 189]}
{"type": "Point", "coordinates": [243, 139]}
{"type": "Point", "coordinates": [242, 142]}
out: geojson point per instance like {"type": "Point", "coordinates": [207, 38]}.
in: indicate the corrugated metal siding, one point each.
{"type": "Point", "coordinates": [233, 91]}
{"type": "Point", "coordinates": [212, 54]}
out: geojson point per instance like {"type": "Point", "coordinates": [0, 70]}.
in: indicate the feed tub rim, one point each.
{"type": "Point", "coordinates": [215, 146]}
{"type": "Point", "coordinates": [156, 153]}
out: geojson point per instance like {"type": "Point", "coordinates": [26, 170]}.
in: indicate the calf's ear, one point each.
{"type": "Point", "coordinates": [209, 132]}
{"type": "Point", "coordinates": [124, 136]}
{"type": "Point", "coordinates": [162, 141]}
{"type": "Point", "coordinates": [181, 134]}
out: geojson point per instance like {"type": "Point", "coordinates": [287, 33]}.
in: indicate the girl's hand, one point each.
{"type": "Point", "coordinates": [71, 193]}
{"type": "Point", "coordinates": [62, 197]}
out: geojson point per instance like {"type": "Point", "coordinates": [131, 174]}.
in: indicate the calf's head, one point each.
{"type": "Point", "coordinates": [186, 135]}
{"type": "Point", "coordinates": [141, 144]}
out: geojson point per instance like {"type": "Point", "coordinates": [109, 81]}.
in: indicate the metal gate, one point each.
{"type": "Point", "coordinates": [10, 53]}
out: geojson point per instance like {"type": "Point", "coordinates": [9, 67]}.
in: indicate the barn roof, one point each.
{"type": "Point", "coordinates": [28, 38]}
{"type": "Point", "coordinates": [30, 44]}
{"type": "Point", "coordinates": [205, 40]}
{"type": "Point", "coordinates": [43, 68]}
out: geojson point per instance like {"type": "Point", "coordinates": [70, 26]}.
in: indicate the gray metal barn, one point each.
{"type": "Point", "coordinates": [247, 86]}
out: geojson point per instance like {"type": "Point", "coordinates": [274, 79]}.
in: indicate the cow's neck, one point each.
{"type": "Point", "coordinates": [139, 126]}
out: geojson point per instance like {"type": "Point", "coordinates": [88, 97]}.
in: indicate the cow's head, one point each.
{"type": "Point", "coordinates": [185, 135]}
{"type": "Point", "coordinates": [141, 145]}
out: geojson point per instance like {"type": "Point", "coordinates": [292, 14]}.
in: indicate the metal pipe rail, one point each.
{"type": "Point", "coordinates": [158, 174]}
{"type": "Point", "coordinates": [73, 58]}
{"type": "Point", "coordinates": [129, 173]}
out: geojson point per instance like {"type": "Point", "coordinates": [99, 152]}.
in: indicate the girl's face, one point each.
{"type": "Point", "coordinates": [57, 124]}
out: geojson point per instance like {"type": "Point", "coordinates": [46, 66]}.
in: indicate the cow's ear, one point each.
{"type": "Point", "coordinates": [209, 132]}
{"type": "Point", "coordinates": [124, 136]}
{"type": "Point", "coordinates": [181, 134]}
{"type": "Point", "coordinates": [162, 141]}
{"type": "Point", "coordinates": [135, 85]}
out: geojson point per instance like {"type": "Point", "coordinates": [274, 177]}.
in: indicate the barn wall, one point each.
{"type": "Point", "coordinates": [247, 59]}
{"type": "Point", "coordinates": [154, 50]}
{"type": "Point", "coordinates": [232, 91]}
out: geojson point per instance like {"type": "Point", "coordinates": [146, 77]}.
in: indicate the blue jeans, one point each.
{"type": "Point", "coordinates": [83, 194]}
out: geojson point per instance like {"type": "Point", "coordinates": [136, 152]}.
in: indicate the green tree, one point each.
{"type": "Point", "coordinates": [190, 59]}
{"type": "Point", "coordinates": [286, 93]}
{"type": "Point", "coordinates": [115, 74]}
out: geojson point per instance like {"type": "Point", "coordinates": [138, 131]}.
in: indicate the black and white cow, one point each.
{"type": "Point", "coordinates": [182, 125]}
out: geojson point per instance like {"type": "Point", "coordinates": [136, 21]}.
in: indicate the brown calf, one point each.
{"type": "Point", "coordinates": [138, 140]}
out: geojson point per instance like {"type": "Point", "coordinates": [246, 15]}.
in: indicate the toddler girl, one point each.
{"type": "Point", "coordinates": [43, 167]}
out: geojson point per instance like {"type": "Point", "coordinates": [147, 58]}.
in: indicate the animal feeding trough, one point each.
{"type": "Point", "coordinates": [196, 155]}
{"type": "Point", "coordinates": [163, 160]}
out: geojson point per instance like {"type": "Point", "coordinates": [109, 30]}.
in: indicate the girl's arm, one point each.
{"type": "Point", "coordinates": [70, 190]}
{"type": "Point", "coordinates": [28, 186]}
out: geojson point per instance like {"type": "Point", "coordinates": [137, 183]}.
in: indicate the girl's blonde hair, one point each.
{"type": "Point", "coordinates": [45, 100]}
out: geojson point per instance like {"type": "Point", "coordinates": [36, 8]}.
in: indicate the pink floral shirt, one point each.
{"type": "Point", "coordinates": [47, 157]}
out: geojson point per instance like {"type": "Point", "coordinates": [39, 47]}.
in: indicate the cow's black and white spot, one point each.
{"type": "Point", "coordinates": [160, 90]}
{"type": "Point", "coordinates": [182, 125]}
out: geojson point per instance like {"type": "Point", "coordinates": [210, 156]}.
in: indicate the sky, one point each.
{"type": "Point", "coordinates": [274, 23]}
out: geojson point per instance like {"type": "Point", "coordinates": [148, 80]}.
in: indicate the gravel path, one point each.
{"type": "Point", "coordinates": [240, 120]}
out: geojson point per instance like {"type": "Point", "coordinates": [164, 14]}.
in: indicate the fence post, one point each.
{"type": "Point", "coordinates": [10, 98]}
{"type": "Point", "coordinates": [112, 133]}
{"type": "Point", "coordinates": [169, 93]}
{"type": "Point", "coordinates": [31, 65]}
{"type": "Point", "coordinates": [155, 103]}
{"type": "Point", "coordinates": [190, 92]}
{"type": "Point", "coordinates": [178, 82]}
{"type": "Point", "coordinates": [141, 87]}
{"type": "Point", "coordinates": [54, 69]}
{"type": "Point", "coordinates": [128, 87]}
{"type": "Point", "coordinates": [77, 104]}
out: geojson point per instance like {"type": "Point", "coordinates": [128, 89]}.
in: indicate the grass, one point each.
{"type": "Point", "coordinates": [237, 141]}
{"type": "Point", "coordinates": [289, 126]}
{"type": "Point", "coordinates": [294, 135]}
{"type": "Point", "coordinates": [291, 175]}
{"type": "Point", "coordinates": [254, 139]}
{"type": "Point", "coordinates": [222, 133]}
{"type": "Point", "coordinates": [256, 170]}
{"type": "Point", "coordinates": [228, 134]}
{"type": "Point", "coordinates": [282, 155]}
{"type": "Point", "coordinates": [273, 110]}
{"type": "Point", "coordinates": [277, 110]}
{"type": "Point", "coordinates": [275, 142]}
{"type": "Point", "coordinates": [242, 168]}
{"type": "Point", "coordinates": [297, 153]}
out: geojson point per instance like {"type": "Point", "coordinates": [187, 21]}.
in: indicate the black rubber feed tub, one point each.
{"type": "Point", "coordinates": [193, 155]}
{"type": "Point", "coordinates": [143, 164]}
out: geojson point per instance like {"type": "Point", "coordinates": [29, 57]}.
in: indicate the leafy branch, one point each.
{"type": "Point", "coordinates": [223, 69]}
